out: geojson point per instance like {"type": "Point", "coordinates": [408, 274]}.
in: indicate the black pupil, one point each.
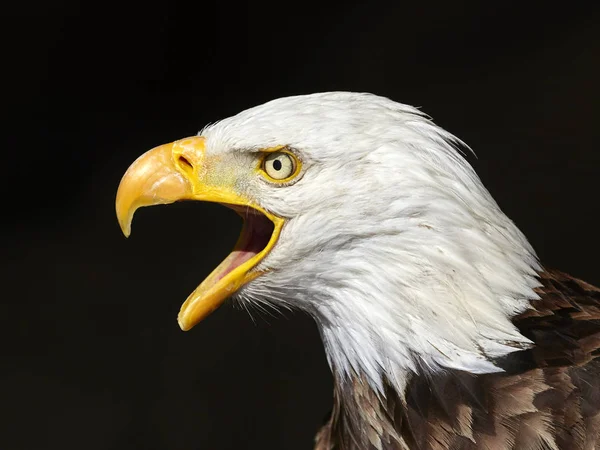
{"type": "Point", "coordinates": [277, 164]}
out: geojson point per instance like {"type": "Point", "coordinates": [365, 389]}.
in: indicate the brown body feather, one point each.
{"type": "Point", "coordinates": [547, 398]}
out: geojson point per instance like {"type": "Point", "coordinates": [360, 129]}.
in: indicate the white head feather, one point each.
{"type": "Point", "coordinates": [392, 242]}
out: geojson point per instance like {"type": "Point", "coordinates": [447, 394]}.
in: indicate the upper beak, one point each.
{"type": "Point", "coordinates": [159, 176]}
{"type": "Point", "coordinates": [177, 171]}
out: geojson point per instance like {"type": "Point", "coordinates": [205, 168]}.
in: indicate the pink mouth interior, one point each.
{"type": "Point", "coordinates": [256, 233]}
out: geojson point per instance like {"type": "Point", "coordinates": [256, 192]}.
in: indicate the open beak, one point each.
{"type": "Point", "coordinates": [179, 171]}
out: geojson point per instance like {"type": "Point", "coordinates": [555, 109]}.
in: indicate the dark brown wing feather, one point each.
{"type": "Point", "coordinates": [547, 398]}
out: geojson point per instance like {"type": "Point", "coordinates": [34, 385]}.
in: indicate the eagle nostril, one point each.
{"type": "Point", "coordinates": [185, 163]}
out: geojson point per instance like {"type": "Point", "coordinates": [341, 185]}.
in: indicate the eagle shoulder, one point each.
{"type": "Point", "coordinates": [548, 396]}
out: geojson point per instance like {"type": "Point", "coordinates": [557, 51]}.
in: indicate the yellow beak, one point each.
{"type": "Point", "coordinates": [177, 171]}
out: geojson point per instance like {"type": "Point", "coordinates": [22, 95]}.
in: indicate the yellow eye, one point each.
{"type": "Point", "coordinates": [279, 165]}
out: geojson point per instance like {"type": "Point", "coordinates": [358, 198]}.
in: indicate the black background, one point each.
{"type": "Point", "coordinates": [94, 357]}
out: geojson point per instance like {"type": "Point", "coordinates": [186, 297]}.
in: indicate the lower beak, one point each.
{"type": "Point", "coordinates": [173, 172]}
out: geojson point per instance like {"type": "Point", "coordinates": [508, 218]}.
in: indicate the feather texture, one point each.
{"type": "Point", "coordinates": [547, 398]}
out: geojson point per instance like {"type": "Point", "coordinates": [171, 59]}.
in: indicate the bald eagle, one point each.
{"type": "Point", "coordinates": [441, 327]}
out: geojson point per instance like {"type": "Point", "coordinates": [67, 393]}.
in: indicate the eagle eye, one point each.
{"type": "Point", "coordinates": [280, 166]}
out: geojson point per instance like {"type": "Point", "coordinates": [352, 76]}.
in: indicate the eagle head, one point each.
{"type": "Point", "coordinates": [361, 212]}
